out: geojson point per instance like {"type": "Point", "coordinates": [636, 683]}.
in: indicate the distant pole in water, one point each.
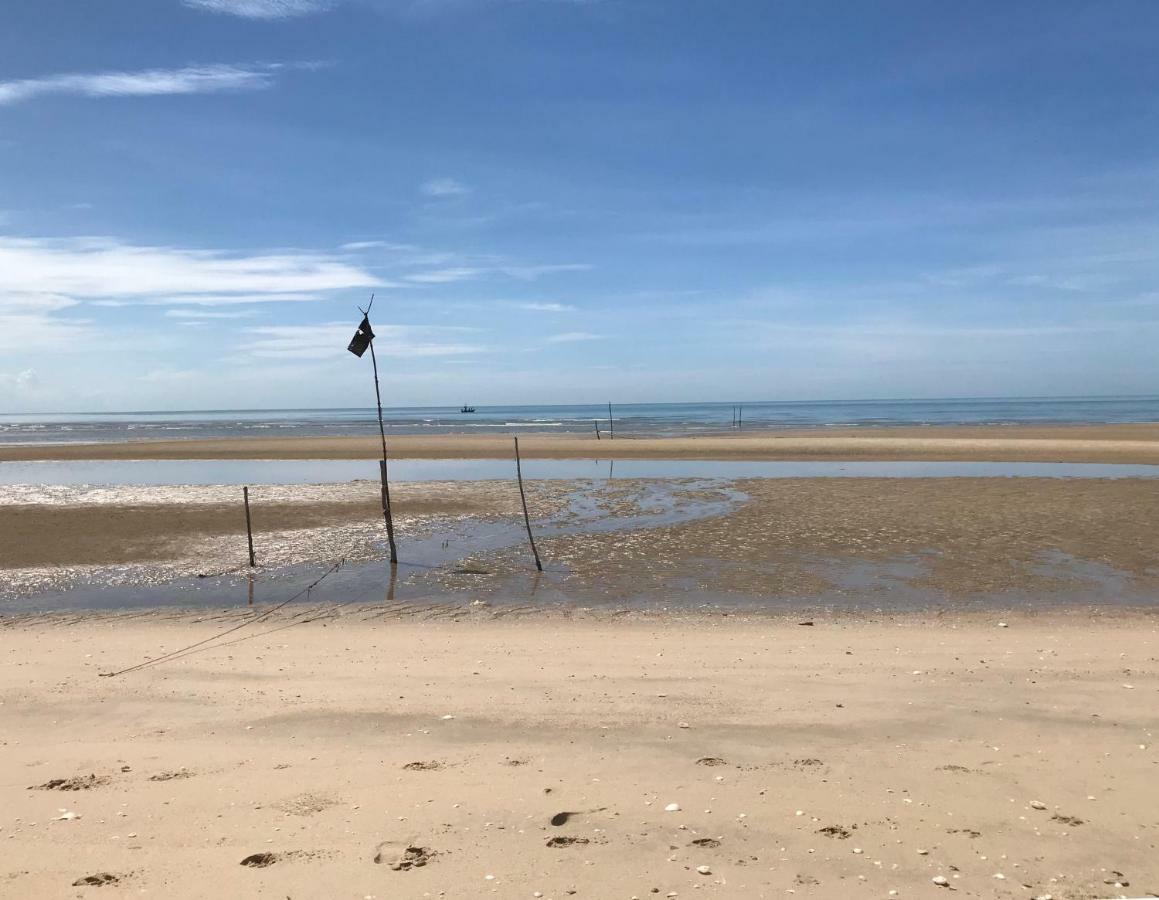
{"type": "Point", "coordinates": [611, 424]}
{"type": "Point", "coordinates": [364, 338]}
{"type": "Point", "coordinates": [596, 422]}
{"type": "Point", "coordinates": [249, 533]}
{"type": "Point", "coordinates": [523, 500]}
{"type": "Point", "coordinates": [740, 418]}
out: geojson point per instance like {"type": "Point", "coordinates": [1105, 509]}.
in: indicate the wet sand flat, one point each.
{"type": "Point", "coordinates": [854, 757]}
{"type": "Point", "coordinates": [908, 540]}
{"type": "Point", "coordinates": [1084, 443]}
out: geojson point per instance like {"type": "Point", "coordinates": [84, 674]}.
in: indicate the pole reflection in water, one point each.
{"type": "Point", "coordinates": [390, 585]}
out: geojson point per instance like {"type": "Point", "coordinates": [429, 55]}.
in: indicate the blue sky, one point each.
{"type": "Point", "coordinates": [575, 200]}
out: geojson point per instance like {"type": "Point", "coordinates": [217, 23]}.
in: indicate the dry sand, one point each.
{"type": "Point", "coordinates": [856, 758]}
{"type": "Point", "coordinates": [1084, 443]}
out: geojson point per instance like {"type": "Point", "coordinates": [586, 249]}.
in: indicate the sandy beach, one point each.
{"type": "Point", "coordinates": [974, 699]}
{"type": "Point", "coordinates": [1078, 443]}
{"type": "Point", "coordinates": [855, 757]}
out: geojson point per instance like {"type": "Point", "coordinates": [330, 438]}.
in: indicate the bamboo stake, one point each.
{"type": "Point", "coordinates": [526, 517]}
{"type": "Point", "coordinates": [249, 531]}
{"type": "Point", "coordinates": [382, 470]}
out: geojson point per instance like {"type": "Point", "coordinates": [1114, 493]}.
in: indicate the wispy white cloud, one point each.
{"type": "Point", "coordinates": [380, 245]}
{"type": "Point", "coordinates": [328, 340]}
{"type": "Point", "coordinates": [444, 276]}
{"type": "Point", "coordinates": [261, 9]}
{"type": "Point", "coordinates": [444, 187]}
{"type": "Point", "coordinates": [240, 299]}
{"type": "Point", "coordinates": [196, 316]}
{"type": "Point", "coordinates": [146, 83]}
{"type": "Point", "coordinates": [531, 273]}
{"type": "Point", "coordinates": [24, 380]}
{"type": "Point", "coordinates": [545, 307]}
{"type": "Point", "coordinates": [104, 268]}
{"type": "Point", "coordinates": [569, 337]}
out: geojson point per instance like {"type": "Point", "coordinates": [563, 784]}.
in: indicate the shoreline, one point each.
{"type": "Point", "coordinates": [1007, 443]}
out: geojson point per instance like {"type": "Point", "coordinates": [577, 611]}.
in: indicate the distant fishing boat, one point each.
{"type": "Point", "coordinates": [466, 409]}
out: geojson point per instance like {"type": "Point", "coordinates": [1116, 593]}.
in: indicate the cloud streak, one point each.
{"type": "Point", "coordinates": [444, 187]}
{"type": "Point", "coordinates": [104, 268]}
{"type": "Point", "coordinates": [261, 9]}
{"type": "Point", "coordinates": [328, 340]}
{"type": "Point", "coordinates": [146, 83]}
{"type": "Point", "coordinates": [571, 337]}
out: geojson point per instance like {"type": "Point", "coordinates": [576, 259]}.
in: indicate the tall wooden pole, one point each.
{"type": "Point", "coordinates": [249, 532]}
{"type": "Point", "coordinates": [382, 465]}
{"type": "Point", "coordinates": [611, 424]}
{"type": "Point", "coordinates": [526, 517]}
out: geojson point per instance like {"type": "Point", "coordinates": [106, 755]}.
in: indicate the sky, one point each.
{"type": "Point", "coordinates": [570, 201]}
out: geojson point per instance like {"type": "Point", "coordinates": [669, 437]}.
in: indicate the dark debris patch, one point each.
{"type": "Point", "coordinates": [260, 860]}
{"type": "Point", "coordinates": [835, 831]}
{"type": "Point", "coordinates": [1068, 820]}
{"type": "Point", "coordinates": [171, 776]}
{"type": "Point", "coordinates": [706, 842]}
{"type": "Point", "coordinates": [76, 783]}
{"type": "Point", "coordinates": [429, 765]}
{"type": "Point", "coordinates": [566, 841]}
{"type": "Point", "coordinates": [101, 879]}
{"type": "Point", "coordinates": [711, 761]}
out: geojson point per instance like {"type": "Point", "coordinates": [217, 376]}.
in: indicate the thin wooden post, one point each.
{"type": "Point", "coordinates": [526, 517]}
{"type": "Point", "coordinates": [386, 514]}
{"type": "Point", "coordinates": [597, 424]}
{"type": "Point", "coordinates": [740, 418]}
{"type": "Point", "coordinates": [611, 424]}
{"type": "Point", "coordinates": [249, 530]}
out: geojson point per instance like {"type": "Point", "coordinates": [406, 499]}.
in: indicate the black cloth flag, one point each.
{"type": "Point", "coordinates": [362, 338]}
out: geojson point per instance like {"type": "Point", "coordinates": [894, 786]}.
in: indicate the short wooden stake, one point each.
{"type": "Point", "coordinates": [526, 517]}
{"type": "Point", "coordinates": [249, 531]}
{"type": "Point", "coordinates": [597, 424]}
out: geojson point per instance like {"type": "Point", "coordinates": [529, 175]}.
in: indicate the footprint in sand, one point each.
{"type": "Point", "coordinates": [401, 856]}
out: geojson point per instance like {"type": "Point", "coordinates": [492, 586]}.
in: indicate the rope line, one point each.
{"type": "Point", "coordinates": [194, 649]}
{"type": "Point", "coordinates": [165, 657]}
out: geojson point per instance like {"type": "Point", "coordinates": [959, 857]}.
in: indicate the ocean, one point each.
{"type": "Point", "coordinates": [638, 419]}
